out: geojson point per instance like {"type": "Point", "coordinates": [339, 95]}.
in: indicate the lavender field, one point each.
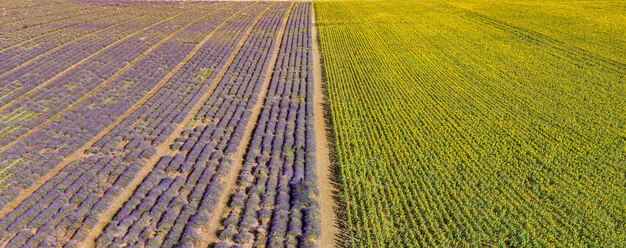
{"type": "Point", "coordinates": [157, 124]}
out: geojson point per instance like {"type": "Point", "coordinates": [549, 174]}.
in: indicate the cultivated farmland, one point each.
{"type": "Point", "coordinates": [158, 123]}
{"type": "Point", "coordinates": [478, 123]}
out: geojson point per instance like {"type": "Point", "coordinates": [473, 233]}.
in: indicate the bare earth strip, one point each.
{"type": "Point", "coordinates": [164, 149]}
{"type": "Point", "coordinates": [103, 84]}
{"type": "Point", "coordinates": [209, 231]}
{"type": "Point", "coordinates": [327, 188]}
{"type": "Point", "coordinates": [60, 74]}
{"type": "Point", "coordinates": [77, 154]}
{"type": "Point", "coordinates": [27, 62]}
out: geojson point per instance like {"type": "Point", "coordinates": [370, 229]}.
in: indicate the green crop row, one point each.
{"type": "Point", "coordinates": [457, 127]}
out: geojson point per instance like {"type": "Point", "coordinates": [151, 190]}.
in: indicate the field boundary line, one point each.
{"type": "Point", "coordinates": [102, 84]}
{"type": "Point", "coordinates": [27, 62]}
{"type": "Point", "coordinates": [163, 148]}
{"type": "Point", "coordinates": [60, 74]}
{"type": "Point", "coordinates": [209, 230]}
{"type": "Point", "coordinates": [78, 153]}
{"type": "Point", "coordinates": [327, 188]}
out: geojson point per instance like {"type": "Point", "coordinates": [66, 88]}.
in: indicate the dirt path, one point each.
{"type": "Point", "coordinates": [164, 149]}
{"type": "Point", "coordinates": [209, 231]}
{"type": "Point", "coordinates": [101, 85]}
{"type": "Point", "coordinates": [322, 153]}
{"type": "Point", "coordinates": [78, 153]}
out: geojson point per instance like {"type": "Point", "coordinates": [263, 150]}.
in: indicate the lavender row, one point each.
{"type": "Point", "coordinates": [23, 32]}
{"type": "Point", "coordinates": [19, 10]}
{"type": "Point", "coordinates": [143, 2]}
{"type": "Point", "coordinates": [275, 203]}
{"type": "Point", "coordinates": [25, 28]}
{"type": "Point", "coordinates": [187, 182]}
{"type": "Point", "coordinates": [16, 55]}
{"type": "Point", "coordinates": [46, 147]}
{"type": "Point", "coordinates": [16, 7]}
{"type": "Point", "coordinates": [52, 98]}
{"type": "Point", "coordinates": [69, 204]}
{"type": "Point", "coordinates": [74, 28]}
{"type": "Point", "coordinates": [20, 81]}
{"type": "Point", "coordinates": [59, 230]}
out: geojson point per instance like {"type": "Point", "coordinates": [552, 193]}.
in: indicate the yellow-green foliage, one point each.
{"type": "Point", "coordinates": [458, 127]}
{"type": "Point", "coordinates": [597, 26]}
